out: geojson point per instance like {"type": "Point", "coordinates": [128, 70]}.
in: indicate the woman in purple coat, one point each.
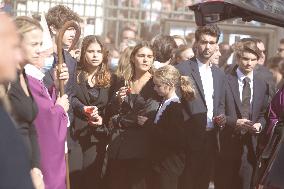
{"type": "Point", "coordinates": [51, 120]}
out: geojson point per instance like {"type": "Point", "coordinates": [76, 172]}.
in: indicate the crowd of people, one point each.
{"type": "Point", "coordinates": [161, 114]}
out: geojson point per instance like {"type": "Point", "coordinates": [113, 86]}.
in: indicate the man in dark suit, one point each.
{"type": "Point", "coordinates": [201, 132]}
{"type": "Point", "coordinates": [14, 163]}
{"type": "Point", "coordinates": [247, 97]}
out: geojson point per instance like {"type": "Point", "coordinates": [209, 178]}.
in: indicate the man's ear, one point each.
{"type": "Point", "coordinates": [53, 30]}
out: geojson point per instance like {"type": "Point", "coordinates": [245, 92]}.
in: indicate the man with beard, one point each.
{"type": "Point", "coordinates": [201, 131]}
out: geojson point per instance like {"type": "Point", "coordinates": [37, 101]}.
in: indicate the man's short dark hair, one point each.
{"type": "Point", "coordinates": [211, 29]}
{"type": "Point", "coordinates": [58, 15]}
{"type": "Point", "coordinates": [164, 46]}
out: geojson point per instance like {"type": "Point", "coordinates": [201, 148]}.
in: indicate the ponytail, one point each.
{"type": "Point", "coordinates": [186, 87]}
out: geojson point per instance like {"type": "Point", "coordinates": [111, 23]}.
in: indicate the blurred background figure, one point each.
{"type": "Point", "coordinates": [226, 51]}
{"type": "Point", "coordinates": [216, 56]}
{"type": "Point", "coordinates": [280, 51]}
{"type": "Point", "coordinates": [164, 46]}
{"type": "Point", "coordinates": [14, 162]}
{"type": "Point", "coordinates": [276, 66]}
{"type": "Point", "coordinates": [179, 40]}
{"type": "Point", "coordinates": [181, 54]}
{"type": "Point", "coordinates": [123, 70]}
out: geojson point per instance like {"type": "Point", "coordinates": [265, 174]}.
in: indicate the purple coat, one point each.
{"type": "Point", "coordinates": [51, 125]}
{"type": "Point", "coordinates": [276, 109]}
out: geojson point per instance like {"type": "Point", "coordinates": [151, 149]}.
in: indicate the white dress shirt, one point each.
{"type": "Point", "coordinates": [208, 88]}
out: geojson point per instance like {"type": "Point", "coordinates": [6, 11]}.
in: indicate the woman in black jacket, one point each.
{"type": "Point", "coordinates": [129, 152]}
{"type": "Point", "coordinates": [91, 97]}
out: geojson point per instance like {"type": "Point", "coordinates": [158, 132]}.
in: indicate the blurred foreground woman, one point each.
{"type": "Point", "coordinates": [14, 163]}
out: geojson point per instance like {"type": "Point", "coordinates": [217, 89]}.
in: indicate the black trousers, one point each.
{"type": "Point", "coordinates": [127, 174]}
{"type": "Point", "coordinates": [236, 172]}
{"type": "Point", "coordinates": [163, 180]}
{"type": "Point", "coordinates": [199, 164]}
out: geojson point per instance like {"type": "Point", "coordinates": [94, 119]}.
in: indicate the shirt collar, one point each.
{"type": "Point", "coordinates": [174, 98]}
{"type": "Point", "coordinates": [201, 65]}
{"type": "Point", "coordinates": [241, 76]}
{"type": "Point", "coordinates": [33, 71]}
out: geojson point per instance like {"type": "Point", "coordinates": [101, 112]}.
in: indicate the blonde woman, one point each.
{"type": "Point", "coordinates": [124, 66]}
{"type": "Point", "coordinates": [168, 139]}
{"type": "Point", "coordinates": [49, 117]}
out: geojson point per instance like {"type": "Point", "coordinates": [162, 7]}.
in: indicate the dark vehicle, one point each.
{"type": "Point", "coordinates": [270, 169]}
{"type": "Point", "coordinates": [266, 11]}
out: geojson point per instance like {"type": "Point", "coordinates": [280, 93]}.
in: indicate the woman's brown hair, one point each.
{"type": "Point", "coordinates": [102, 76]}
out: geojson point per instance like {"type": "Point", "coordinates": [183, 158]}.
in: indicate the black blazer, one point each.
{"type": "Point", "coordinates": [168, 140]}
{"type": "Point", "coordinates": [233, 110]}
{"type": "Point", "coordinates": [82, 98]}
{"type": "Point", "coordinates": [14, 164]}
{"type": "Point", "coordinates": [196, 110]}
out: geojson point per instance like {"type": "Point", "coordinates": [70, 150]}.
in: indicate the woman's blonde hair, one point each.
{"type": "Point", "coordinates": [102, 76]}
{"type": "Point", "coordinates": [124, 66]}
{"type": "Point", "coordinates": [26, 24]}
{"type": "Point", "coordinates": [170, 76]}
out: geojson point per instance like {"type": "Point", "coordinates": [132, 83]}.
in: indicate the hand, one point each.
{"type": "Point", "coordinates": [122, 93]}
{"type": "Point", "coordinates": [75, 54]}
{"type": "Point", "coordinates": [245, 125]}
{"type": "Point", "coordinates": [63, 75]}
{"type": "Point", "coordinates": [63, 102]}
{"type": "Point", "coordinates": [141, 120]}
{"type": "Point", "coordinates": [220, 120]}
{"type": "Point", "coordinates": [257, 126]}
{"type": "Point", "coordinates": [96, 121]}
{"type": "Point", "coordinates": [37, 178]}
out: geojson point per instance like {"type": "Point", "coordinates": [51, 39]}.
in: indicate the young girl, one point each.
{"type": "Point", "coordinates": [91, 97]}
{"type": "Point", "coordinates": [168, 127]}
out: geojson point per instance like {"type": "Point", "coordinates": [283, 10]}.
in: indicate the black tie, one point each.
{"type": "Point", "coordinates": [246, 98]}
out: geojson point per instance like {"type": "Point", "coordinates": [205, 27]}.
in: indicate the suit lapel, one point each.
{"type": "Point", "coordinates": [234, 86]}
{"type": "Point", "coordinates": [196, 76]}
{"type": "Point", "coordinates": [215, 87]}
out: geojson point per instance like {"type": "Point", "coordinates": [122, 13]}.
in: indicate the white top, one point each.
{"type": "Point", "coordinates": [208, 88]}
{"type": "Point", "coordinates": [164, 106]}
{"type": "Point", "coordinates": [33, 71]}
{"type": "Point", "coordinates": [241, 78]}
